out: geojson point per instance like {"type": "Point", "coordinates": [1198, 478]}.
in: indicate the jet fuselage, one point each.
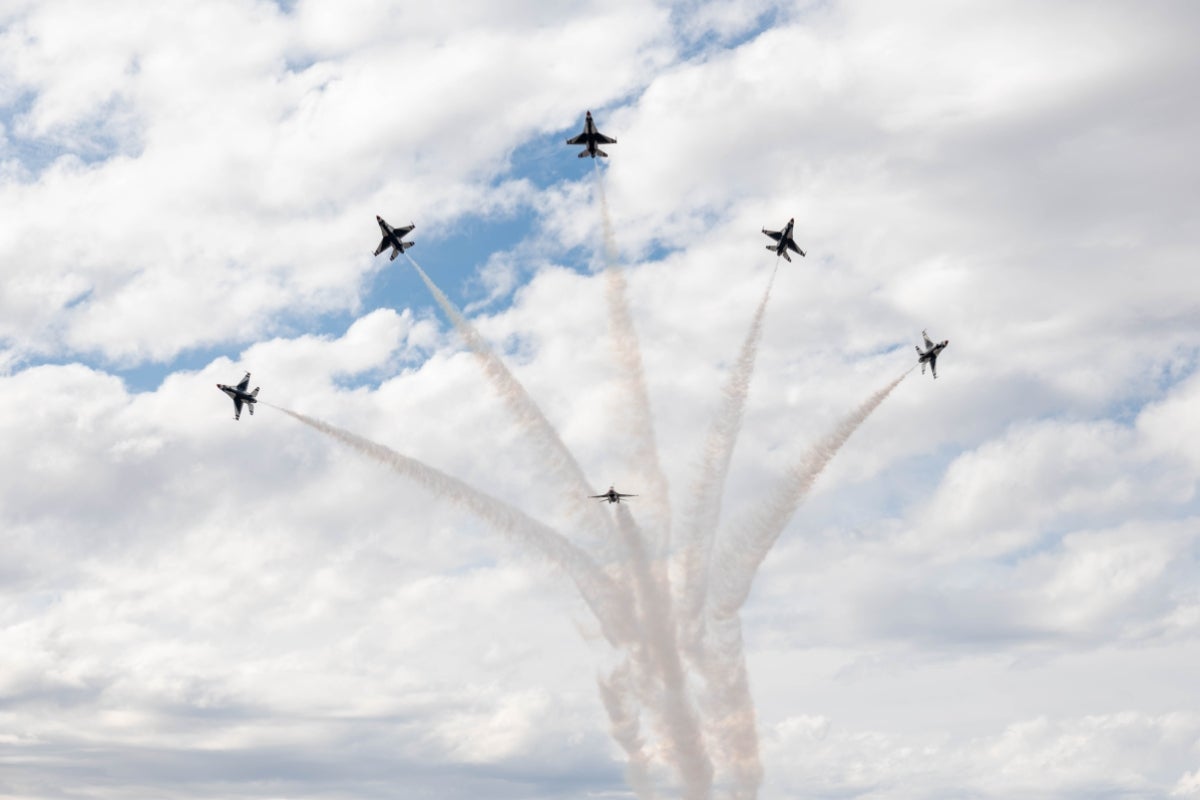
{"type": "Point", "coordinates": [591, 138]}
{"type": "Point", "coordinates": [930, 355]}
{"type": "Point", "coordinates": [781, 248]}
{"type": "Point", "coordinates": [783, 240]}
{"type": "Point", "coordinates": [393, 238]}
{"type": "Point", "coordinates": [240, 396]}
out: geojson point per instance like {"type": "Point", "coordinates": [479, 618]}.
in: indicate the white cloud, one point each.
{"type": "Point", "coordinates": [1083, 757]}
{"type": "Point", "coordinates": [991, 590]}
{"type": "Point", "coordinates": [243, 187]}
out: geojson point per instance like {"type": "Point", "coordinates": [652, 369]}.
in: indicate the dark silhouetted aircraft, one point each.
{"type": "Point", "coordinates": [784, 241]}
{"type": "Point", "coordinates": [240, 395]}
{"type": "Point", "coordinates": [931, 353]}
{"type": "Point", "coordinates": [612, 496]}
{"type": "Point", "coordinates": [393, 238]}
{"type": "Point", "coordinates": [590, 138]}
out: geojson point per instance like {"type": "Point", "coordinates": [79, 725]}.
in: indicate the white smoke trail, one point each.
{"type": "Point", "coordinates": [704, 510]}
{"type": "Point", "coordinates": [604, 599]}
{"type": "Point", "coordinates": [527, 412]}
{"type": "Point", "coordinates": [644, 455]}
{"type": "Point", "coordinates": [740, 553]}
{"type": "Point", "coordinates": [730, 716]}
{"type": "Point", "coordinates": [679, 722]}
{"type": "Point", "coordinates": [743, 548]}
{"type": "Point", "coordinates": [617, 694]}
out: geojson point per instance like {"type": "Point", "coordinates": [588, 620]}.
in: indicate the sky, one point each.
{"type": "Point", "coordinates": [992, 590]}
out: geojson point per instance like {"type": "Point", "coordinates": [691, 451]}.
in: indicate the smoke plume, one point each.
{"type": "Point", "coordinates": [609, 605]}
{"type": "Point", "coordinates": [636, 411]}
{"type": "Point", "coordinates": [704, 509]}
{"type": "Point", "coordinates": [740, 553]}
{"type": "Point", "coordinates": [559, 460]}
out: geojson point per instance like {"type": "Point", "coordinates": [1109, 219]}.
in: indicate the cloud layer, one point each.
{"type": "Point", "coordinates": [990, 592]}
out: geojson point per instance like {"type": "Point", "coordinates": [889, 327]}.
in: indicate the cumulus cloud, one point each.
{"type": "Point", "coordinates": [219, 166]}
{"type": "Point", "coordinates": [991, 589]}
{"type": "Point", "coordinates": [1083, 757]}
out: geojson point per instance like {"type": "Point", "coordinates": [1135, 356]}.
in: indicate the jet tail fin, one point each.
{"type": "Point", "coordinates": [600, 152]}
{"type": "Point", "coordinates": [785, 255]}
{"type": "Point", "coordinates": [255, 392]}
{"type": "Point", "coordinates": [583, 154]}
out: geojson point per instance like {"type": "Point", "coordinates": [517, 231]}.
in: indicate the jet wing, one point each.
{"type": "Point", "coordinates": [237, 408]}
{"type": "Point", "coordinates": [625, 495]}
{"type": "Point", "coordinates": [792, 246]}
{"type": "Point", "coordinates": [933, 364]}
{"type": "Point", "coordinates": [602, 139]}
{"type": "Point", "coordinates": [580, 139]}
{"type": "Point", "coordinates": [403, 230]}
{"type": "Point", "coordinates": [925, 336]}
{"type": "Point", "coordinates": [241, 387]}
{"type": "Point", "coordinates": [776, 235]}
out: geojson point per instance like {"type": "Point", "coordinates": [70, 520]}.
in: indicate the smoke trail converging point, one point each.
{"type": "Point", "coordinates": [617, 693]}
{"type": "Point", "coordinates": [679, 722]}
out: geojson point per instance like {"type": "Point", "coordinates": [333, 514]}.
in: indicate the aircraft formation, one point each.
{"type": "Point", "coordinates": [590, 138]}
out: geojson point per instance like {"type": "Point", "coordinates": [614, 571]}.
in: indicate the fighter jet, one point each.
{"type": "Point", "coordinates": [612, 496]}
{"type": "Point", "coordinates": [590, 138]}
{"type": "Point", "coordinates": [239, 396]}
{"type": "Point", "coordinates": [930, 354]}
{"type": "Point", "coordinates": [784, 241]}
{"type": "Point", "coordinates": [393, 238]}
